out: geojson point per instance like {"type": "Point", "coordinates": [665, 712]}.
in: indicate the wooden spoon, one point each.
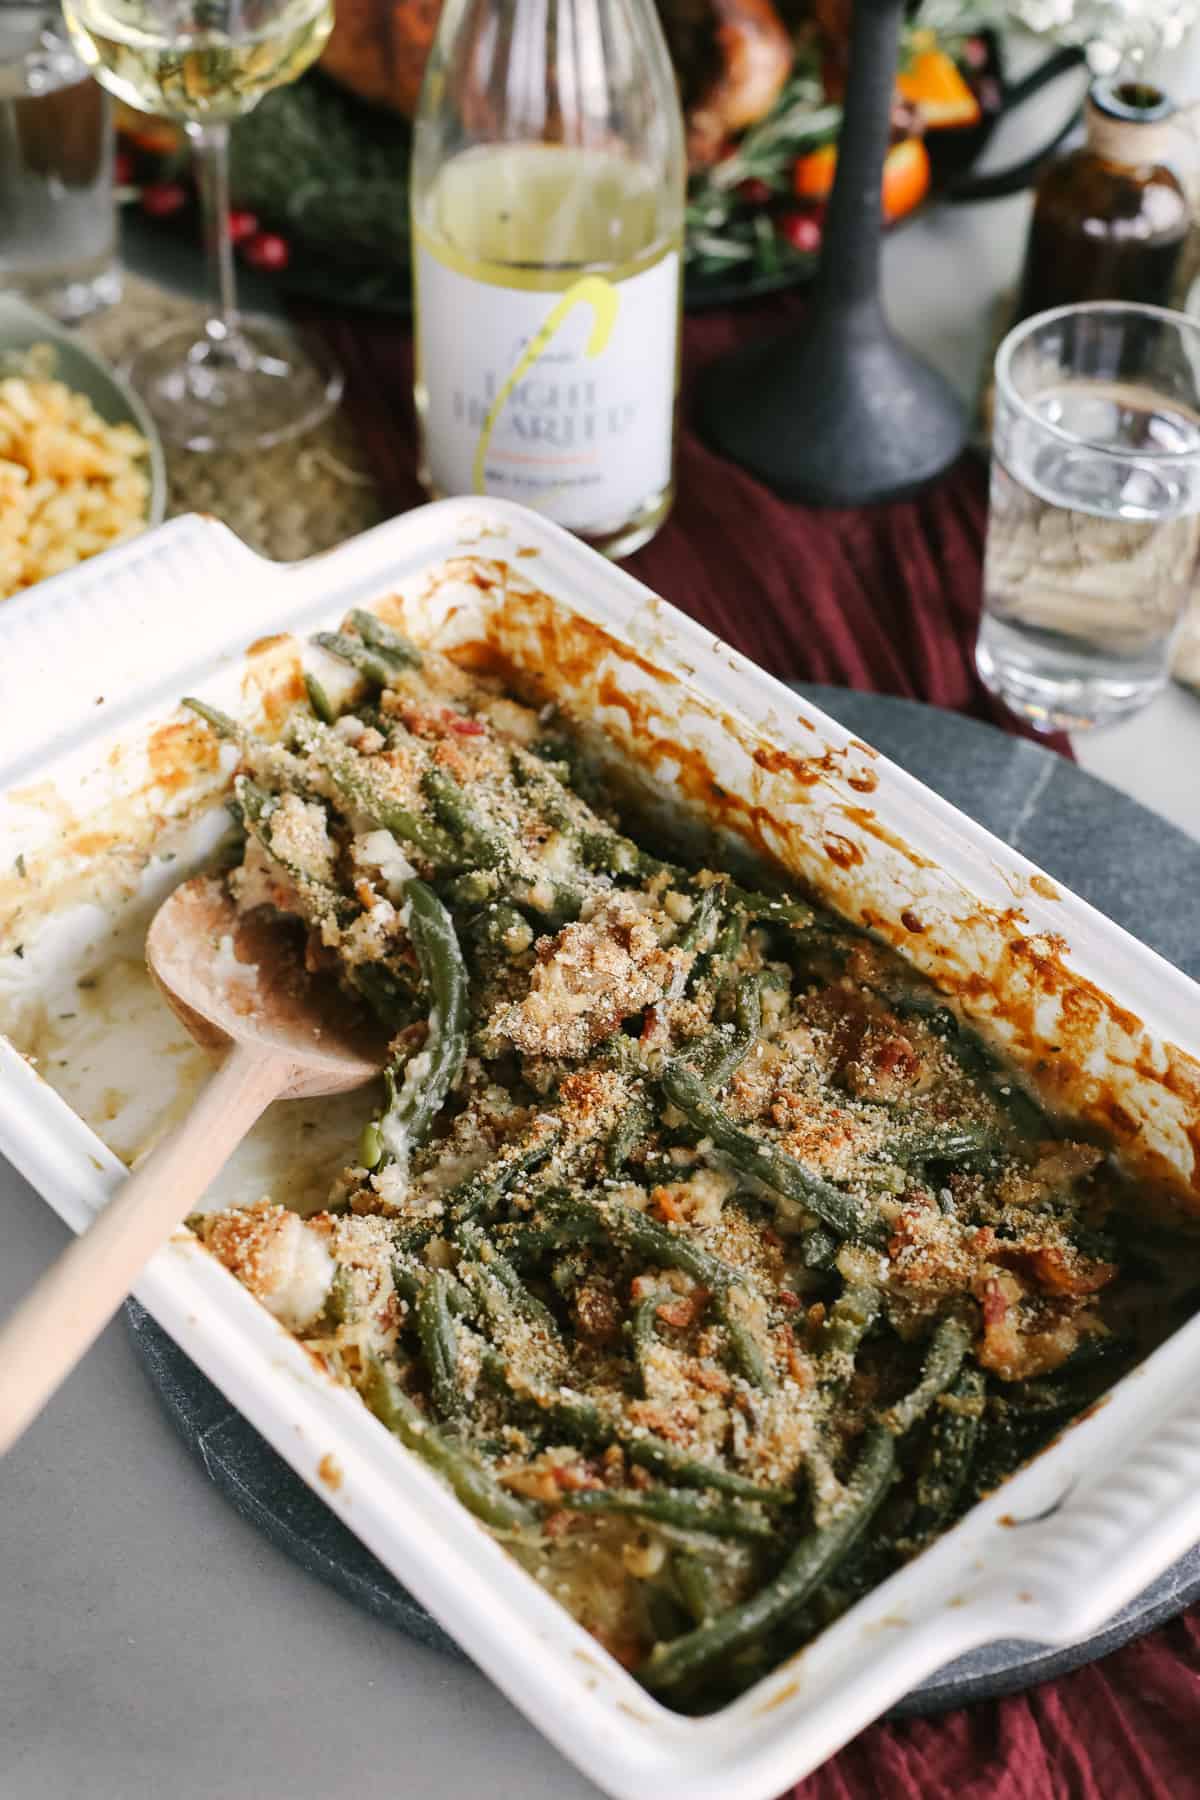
{"type": "Point", "coordinates": [238, 985]}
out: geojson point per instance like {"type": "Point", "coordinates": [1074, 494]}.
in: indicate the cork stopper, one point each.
{"type": "Point", "coordinates": [1130, 122]}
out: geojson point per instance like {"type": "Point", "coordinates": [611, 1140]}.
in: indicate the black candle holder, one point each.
{"type": "Point", "coordinates": [841, 413]}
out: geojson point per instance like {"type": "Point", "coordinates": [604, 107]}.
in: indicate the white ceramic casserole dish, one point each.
{"type": "Point", "coordinates": [107, 798]}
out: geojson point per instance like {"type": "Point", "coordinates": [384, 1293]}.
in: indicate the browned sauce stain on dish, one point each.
{"type": "Point", "coordinates": [330, 1472]}
{"type": "Point", "coordinates": [788, 1691]}
{"type": "Point", "coordinates": [175, 751]}
{"type": "Point", "coordinates": [865, 749]}
{"type": "Point", "coordinates": [865, 782]}
{"type": "Point", "coordinates": [866, 821]}
{"type": "Point", "coordinates": [1041, 884]}
{"type": "Point", "coordinates": [841, 851]}
{"type": "Point", "coordinates": [273, 680]}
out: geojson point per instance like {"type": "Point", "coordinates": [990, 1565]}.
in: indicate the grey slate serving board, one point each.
{"type": "Point", "coordinates": [1125, 860]}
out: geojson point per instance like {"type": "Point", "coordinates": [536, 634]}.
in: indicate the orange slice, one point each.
{"type": "Point", "coordinates": [934, 82]}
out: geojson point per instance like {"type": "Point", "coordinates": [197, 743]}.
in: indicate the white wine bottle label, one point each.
{"type": "Point", "coordinates": [564, 400]}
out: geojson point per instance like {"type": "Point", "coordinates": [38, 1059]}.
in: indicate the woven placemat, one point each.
{"type": "Point", "coordinates": [288, 502]}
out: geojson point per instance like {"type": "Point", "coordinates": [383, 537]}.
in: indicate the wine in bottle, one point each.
{"type": "Point", "coordinates": [547, 203]}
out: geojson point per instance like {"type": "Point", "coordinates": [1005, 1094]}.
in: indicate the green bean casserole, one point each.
{"type": "Point", "coordinates": [698, 1244]}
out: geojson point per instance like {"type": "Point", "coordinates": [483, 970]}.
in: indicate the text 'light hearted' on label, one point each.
{"type": "Point", "coordinates": [563, 401]}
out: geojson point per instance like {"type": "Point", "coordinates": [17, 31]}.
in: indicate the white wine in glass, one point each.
{"type": "Point", "coordinates": [238, 383]}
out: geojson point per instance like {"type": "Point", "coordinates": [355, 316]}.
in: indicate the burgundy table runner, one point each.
{"type": "Point", "coordinates": [884, 599]}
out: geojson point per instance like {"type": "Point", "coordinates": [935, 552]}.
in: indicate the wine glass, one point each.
{"type": "Point", "coordinates": [239, 384]}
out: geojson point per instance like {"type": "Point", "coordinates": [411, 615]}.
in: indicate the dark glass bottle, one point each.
{"type": "Point", "coordinates": [1110, 218]}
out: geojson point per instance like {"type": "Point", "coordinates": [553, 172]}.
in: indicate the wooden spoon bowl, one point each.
{"type": "Point", "coordinates": [239, 985]}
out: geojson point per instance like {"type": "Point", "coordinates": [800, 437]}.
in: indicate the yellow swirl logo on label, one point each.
{"type": "Point", "coordinates": [593, 291]}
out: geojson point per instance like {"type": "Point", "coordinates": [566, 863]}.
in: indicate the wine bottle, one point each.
{"type": "Point", "coordinates": [547, 211]}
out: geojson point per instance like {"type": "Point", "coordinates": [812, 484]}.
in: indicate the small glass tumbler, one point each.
{"type": "Point", "coordinates": [58, 222]}
{"type": "Point", "coordinates": [1094, 525]}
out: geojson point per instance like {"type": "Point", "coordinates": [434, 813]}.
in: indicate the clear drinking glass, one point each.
{"type": "Point", "coordinates": [1094, 528]}
{"type": "Point", "coordinates": [236, 383]}
{"type": "Point", "coordinates": [58, 222]}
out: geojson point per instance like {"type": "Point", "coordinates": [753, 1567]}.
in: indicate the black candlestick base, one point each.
{"type": "Point", "coordinates": [840, 413]}
{"type": "Point", "coordinates": [834, 423]}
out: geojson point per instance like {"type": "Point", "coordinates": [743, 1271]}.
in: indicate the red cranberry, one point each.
{"type": "Point", "coordinates": [242, 225]}
{"type": "Point", "coordinates": [753, 190]}
{"type": "Point", "coordinates": [162, 199]}
{"type": "Point", "coordinates": [267, 250]}
{"type": "Point", "coordinates": [801, 230]}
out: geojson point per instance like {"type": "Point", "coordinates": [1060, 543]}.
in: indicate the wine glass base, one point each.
{"type": "Point", "coordinates": [257, 387]}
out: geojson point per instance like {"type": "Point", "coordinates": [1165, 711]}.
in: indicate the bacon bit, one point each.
{"type": "Point", "coordinates": [676, 1422]}
{"type": "Point", "coordinates": [994, 1301]}
{"type": "Point", "coordinates": [572, 1478]}
{"type": "Point", "coordinates": [559, 1523]}
{"type": "Point", "coordinates": [911, 922]}
{"type": "Point", "coordinates": [1056, 1273]}
{"type": "Point", "coordinates": [685, 1311]}
{"type": "Point", "coordinates": [597, 1313]}
{"type": "Point", "coordinates": [465, 727]}
{"type": "Point", "coordinates": [708, 1376]}
{"type": "Point", "coordinates": [665, 1206]}
{"type": "Point", "coordinates": [788, 1299]}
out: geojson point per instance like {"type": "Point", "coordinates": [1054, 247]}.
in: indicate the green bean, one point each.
{"type": "Point", "coordinates": [220, 722]}
{"type": "Point", "coordinates": [480, 1194]}
{"type": "Point", "coordinates": [945, 1468]}
{"type": "Point", "coordinates": [850, 1318]}
{"type": "Point", "coordinates": [474, 1485]}
{"type": "Point", "coordinates": [774, 909]}
{"type": "Point", "coordinates": [681, 1507]}
{"type": "Point", "coordinates": [439, 1344]}
{"type": "Point", "coordinates": [943, 1360]}
{"type": "Point", "coordinates": [703, 921]}
{"type": "Point", "coordinates": [366, 661]}
{"type": "Point", "coordinates": [747, 1351]}
{"type": "Point", "coordinates": [634, 1124]}
{"type": "Point", "coordinates": [637, 1231]}
{"type": "Point", "coordinates": [355, 782]}
{"type": "Point", "coordinates": [339, 1301]}
{"type": "Point", "coordinates": [397, 649]}
{"type": "Point", "coordinates": [693, 1579]}
{"type": "Point", "coordinates": [454, 812]}
{"type": "Point", "coordinates": [809, 1564]}
{"type": "Point", "coordinates": [413, 1107]}
{"type": "Point", "coordinates": [964, 1145]}
{"type": "Point", "coordinates": [644, 1327]}
{"type": "Point", "coordinates": [409, 1279]}
{"type": "Point", "coordinates": [723, 1053]}
{"type": "Point", "coordinates": [498, 1277]}
{"type": "Point", "coordinates": [319, 700]}
{"type": "Point", "coordinates": [773, 1167]}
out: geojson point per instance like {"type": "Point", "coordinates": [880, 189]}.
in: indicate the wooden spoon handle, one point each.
{"type": "Point", "coordinates": [60, 1318]}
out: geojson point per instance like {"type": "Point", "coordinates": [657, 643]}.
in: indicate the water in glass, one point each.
{"type": "Point", "coordinates": [1092, 549]}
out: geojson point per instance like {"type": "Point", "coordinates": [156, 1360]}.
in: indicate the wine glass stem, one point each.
{"type": "Point", "coordinates": [210, 144]}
